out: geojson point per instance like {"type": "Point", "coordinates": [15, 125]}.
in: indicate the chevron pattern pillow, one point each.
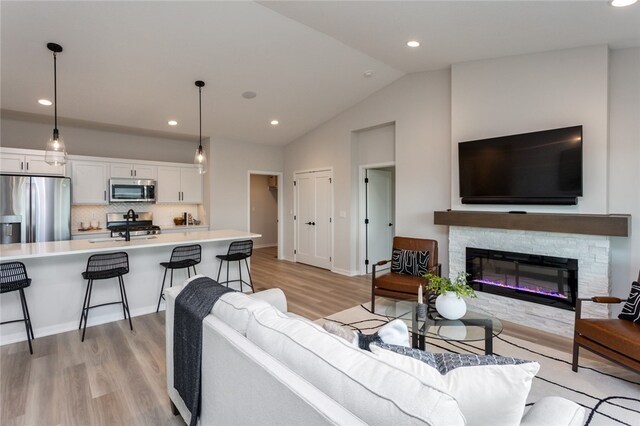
{"type": "Point", "coordinates": [631, 309]}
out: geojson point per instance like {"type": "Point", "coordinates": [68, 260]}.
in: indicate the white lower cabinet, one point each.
{"type": "Point", "coordinates": [89, 181]}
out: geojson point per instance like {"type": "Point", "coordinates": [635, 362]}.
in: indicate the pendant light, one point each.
{"type": "Point", "coordinates": [56, 153]}
{"type": "Point", "coordinates": [200, 158]}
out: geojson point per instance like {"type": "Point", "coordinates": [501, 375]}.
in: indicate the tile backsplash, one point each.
{"type": "Point", "coordinates": [163, 214]}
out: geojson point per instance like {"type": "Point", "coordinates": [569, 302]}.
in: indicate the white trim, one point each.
{"type": "Point", "coordinates": [259, 246]}
{"type": "Point", "coordinates": [116, 315]}
{"type": "Point", "coordinates": [279, 175]}
{"type": "Point", "coordinates": [345, 272]}
{"type": "Point", "coordinates": [362, 268]}
{"type": "Point", "coordinates": [295, 211]}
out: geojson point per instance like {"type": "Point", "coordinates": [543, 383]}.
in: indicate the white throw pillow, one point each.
{"type": "Point", "coordinates": [234, 309]}
{"type": "Point", "coordinates": [492, 395]}
{"type": "Point", "coordinates": [375, 391]}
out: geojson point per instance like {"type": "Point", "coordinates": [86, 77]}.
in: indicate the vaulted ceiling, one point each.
{"type": "Point", "coordinates": [134, 64]}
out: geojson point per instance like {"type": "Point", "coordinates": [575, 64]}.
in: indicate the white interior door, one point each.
{"type": "Point", "coordinates": [379, 200]}
{"type": "Point", "coordinates": [314, 218]}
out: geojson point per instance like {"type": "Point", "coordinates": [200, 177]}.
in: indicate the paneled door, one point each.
{"type": "Point", "coordinates": [313, 218]}
{"type": "Point", "coordinates": [379, 217]}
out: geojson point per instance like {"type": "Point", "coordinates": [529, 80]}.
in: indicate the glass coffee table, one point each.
{"type": "Point", "coordinates": [474, 326]}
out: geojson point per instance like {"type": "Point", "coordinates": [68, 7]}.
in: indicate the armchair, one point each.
{"type": "Point", "coordinates": [402, 286]}
{"type": "Point", "coordinates": [616, 339]}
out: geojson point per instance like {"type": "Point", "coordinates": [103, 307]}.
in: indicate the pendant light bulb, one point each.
{"type": "Point", "coordinates": [56, 153]}
{"type": "Point", "coordinates": [200, 159]}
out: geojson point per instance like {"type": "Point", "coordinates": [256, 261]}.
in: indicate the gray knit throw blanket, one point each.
{"type": "Point", "coordinates": [193, 304]}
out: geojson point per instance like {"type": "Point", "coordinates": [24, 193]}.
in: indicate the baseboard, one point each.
{"type": "Point", "coordinates": [71, 326]}
{"type": "Point", "coordinates": [345, 272]}
{"type": "Point", "coordinates": [289, 258]}
{"type": "Point", "coordinates": [259, 246]}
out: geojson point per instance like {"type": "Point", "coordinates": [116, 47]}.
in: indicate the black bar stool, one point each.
{"type": "Point", "coordinates": [238, 251]}
{"type": "Point", "coordinates": [13, 277]}
{"type": "Point", "coordinates": [102, 267]}
{"type": "Point", "coordinates": [181, 257]}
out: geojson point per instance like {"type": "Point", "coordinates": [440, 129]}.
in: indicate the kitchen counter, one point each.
{"type": "Point", "coordinates": [97, 245]}
{"type": "Point", "coordinates": [57, 289]}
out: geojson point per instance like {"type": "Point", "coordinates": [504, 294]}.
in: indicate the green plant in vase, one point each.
{"type": "Point", "coordinates": [450, 303]}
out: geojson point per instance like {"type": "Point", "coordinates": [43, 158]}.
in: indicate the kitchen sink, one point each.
{"type": "Point", "coordinates": [111, 240]}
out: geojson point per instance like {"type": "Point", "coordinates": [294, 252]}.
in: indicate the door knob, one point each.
{"type": "Point", "coordinates": [308, 223]}
{"type": "Point", "coordinates": [313, 223]}
{"type": "Point", "coordinates": [390, 224]}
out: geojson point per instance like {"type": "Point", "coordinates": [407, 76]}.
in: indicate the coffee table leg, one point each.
{"type": "Point", "coordinates": [488, 339]}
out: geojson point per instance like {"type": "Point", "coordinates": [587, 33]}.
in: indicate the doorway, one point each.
{"type": "Point", "coordinates": [264, 214]}
{"type": "Point", "coordinates": [313, 221]}
{"type": "Point", "coordinates": [377, 215]}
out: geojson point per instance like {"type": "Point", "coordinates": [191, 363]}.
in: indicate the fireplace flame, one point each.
{"type": "Point", "coordinates": [537, 290]}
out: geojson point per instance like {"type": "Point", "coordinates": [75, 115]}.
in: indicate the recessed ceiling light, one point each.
{"type": "Point", "coordinates": [413, 43]}
{"type": "Point", "coordinates": [249, 95]}
{"type": "Point", "coordinates": [368, 74]}
{"type": "Point", "coordinates": [172, 123]}
{"type": "Point", "coordinates": [622, 3]}
{"type": "Point", "coordinates": [45, 102]}
{"type": "Point", "coordinates": [274, 122]}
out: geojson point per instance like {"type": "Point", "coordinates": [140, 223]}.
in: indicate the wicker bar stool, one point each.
{"type": "Point", "coordinates": [182, 257]}
{"type": "Point", "coordinates": [102, 267]}
{"type": "Point", "coordinates": [13, 277]}
{"type": "Point", "coordinates": [238, 251]}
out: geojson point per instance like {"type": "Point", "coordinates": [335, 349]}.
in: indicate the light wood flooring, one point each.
{"type": "Point", "coordinates": [118, 377]}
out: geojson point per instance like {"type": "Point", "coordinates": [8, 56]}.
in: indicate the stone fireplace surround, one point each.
{"type": "Point", "coordinates": [591, 251]}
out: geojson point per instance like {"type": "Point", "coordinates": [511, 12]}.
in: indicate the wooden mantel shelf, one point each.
{"type": "Point", "coordinates": [613, 225]}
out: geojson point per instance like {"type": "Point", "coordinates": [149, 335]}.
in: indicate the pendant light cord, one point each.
{"type": "Point", "coordinates": [55, 96]}
{"type": "Point", "coordinates": [200, 109]}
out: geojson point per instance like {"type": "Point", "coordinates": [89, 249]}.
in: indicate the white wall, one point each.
{"type": "Point", "coordinates": [98, 143]}
{"type": "Point", "coordinates": [419, 105]}
{"type": "Point", "coordinates": [264, 211]}
{"type": "Point", "coordinates": [527, 93]}
{"type": "Point", "coordinates": [230, 163]}
{"type": "Point", "coordinates": [624, 163]}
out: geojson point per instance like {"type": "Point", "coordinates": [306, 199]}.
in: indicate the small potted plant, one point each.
{"type": "Point", "coordinates": [450, 303]}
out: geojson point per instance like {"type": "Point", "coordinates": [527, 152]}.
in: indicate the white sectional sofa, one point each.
{"type": "Point", "coordinates": [261, 366]}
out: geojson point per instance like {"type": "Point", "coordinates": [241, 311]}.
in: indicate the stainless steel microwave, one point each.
{"type": "Point", "coordinates": [132, 191]}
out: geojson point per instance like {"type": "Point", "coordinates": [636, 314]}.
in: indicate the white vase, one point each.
{"type": "Point", "coordinates": [450, 306]}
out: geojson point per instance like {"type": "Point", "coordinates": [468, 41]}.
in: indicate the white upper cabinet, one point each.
{"type": "Point", "coordinates": [168, 188]}
{"type": "Point", "coordinates": [34, 164]}
{"type": "Point", "coordinates": [179, 185]}
{"type": "Point", "coordinates": [127, 170]}
{"type": "Point", "coordinates": [89, 181]}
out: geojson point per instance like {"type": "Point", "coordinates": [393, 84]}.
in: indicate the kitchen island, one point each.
{"type": "Point", "coordinates": [57, 288]}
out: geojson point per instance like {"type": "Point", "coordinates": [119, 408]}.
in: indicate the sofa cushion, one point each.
{"type": "Point", "coordinates": [490, 390]}
{"type": "Point", "coordinates": [618, 335]}
{"type": "Point", "coordinates": [399, 282]}
{"type": "Point", "coordinates": [409, 262]}
{"type": "Point", "coordinates": [234, 309]}
{"type": "Point", "coordinates": [631, 309]}
{"type": "Point", "coordinates": [375, 391]}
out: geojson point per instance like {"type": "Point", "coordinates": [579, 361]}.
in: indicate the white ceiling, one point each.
{"type": "Point", "coordinates": [134, 64]}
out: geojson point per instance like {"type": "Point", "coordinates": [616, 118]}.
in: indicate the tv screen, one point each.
{"type": "Point", "coordinates": [538, 166]}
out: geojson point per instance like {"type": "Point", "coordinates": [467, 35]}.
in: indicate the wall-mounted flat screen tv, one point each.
{"type": "Point", "coordinates": [542, 167]}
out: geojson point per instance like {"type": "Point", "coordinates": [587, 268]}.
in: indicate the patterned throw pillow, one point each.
{"type": "Point", "coordinates": [490, 390]}
{"type": "Point", "coordinates": [631, 309]}
{"type": "Point", "coordinates": [409, 262]}
{"type": "Point", "coordinates": [446, 362]}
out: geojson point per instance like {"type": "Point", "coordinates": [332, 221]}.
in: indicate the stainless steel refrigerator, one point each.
{"type": "Point", "coordinates": [34, 209]}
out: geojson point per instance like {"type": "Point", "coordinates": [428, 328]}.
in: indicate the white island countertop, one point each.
{"type": "Point", "coordinates": [61, 248]}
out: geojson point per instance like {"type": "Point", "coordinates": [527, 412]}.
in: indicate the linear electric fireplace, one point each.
{"type": "Point", "coordinates": [547, 280]}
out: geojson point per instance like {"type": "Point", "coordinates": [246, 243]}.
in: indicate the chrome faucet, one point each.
{"type": "Point", "coordinates": [131, 215]}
